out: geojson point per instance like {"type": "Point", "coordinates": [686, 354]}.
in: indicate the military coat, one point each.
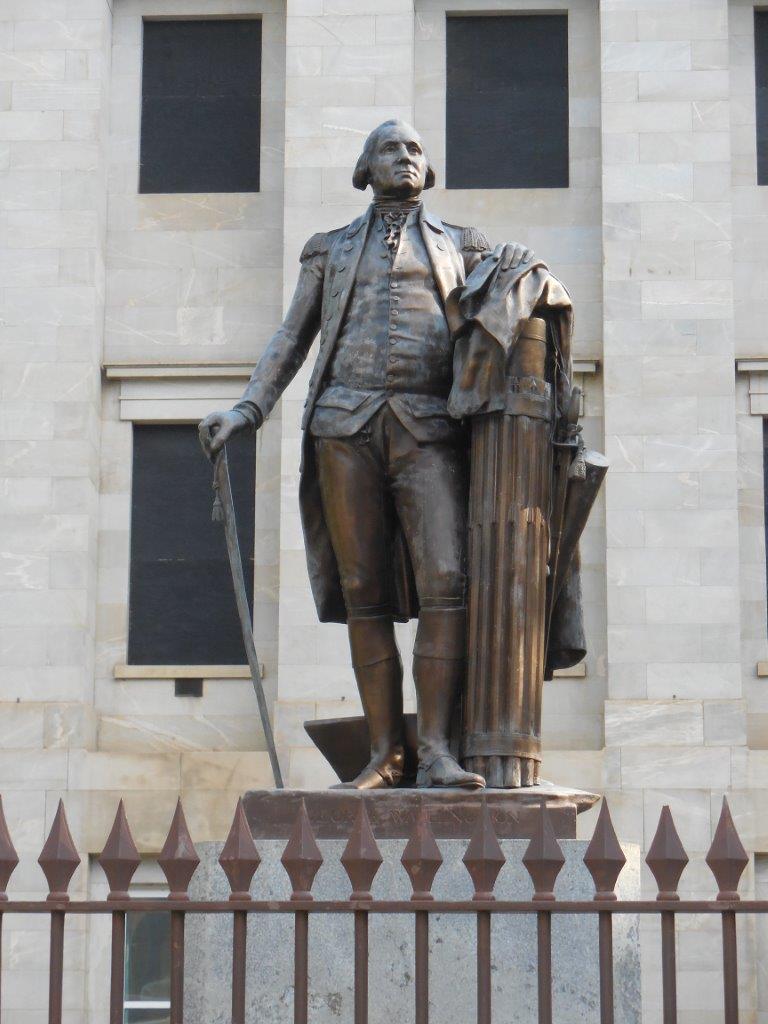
{"type": "Point", "coordinates": [320, 302]}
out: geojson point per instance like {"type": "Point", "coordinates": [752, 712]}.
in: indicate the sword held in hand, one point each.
{"type": "Point", "coordinates": [224, 512]}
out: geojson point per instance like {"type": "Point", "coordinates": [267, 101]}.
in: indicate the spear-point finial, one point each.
{"type": "Point", "coordinates": [120, 857]}
{"type": "Point", "coordinates": [667, 857]}
{"type": "Point", "coordinates": [543, 858]}
{"type": "Point", "coordinates": [421, 857]}
{"type": "Point", "coordinates": [361, 857]}
{"type": "Point", "coordinates": [604, 857]}
{"type": "Point", "coordinates": [239, 858]}
{"type": "Point", "coordinates": [59, 857]}
{"type": "Point", "coordinates": [178, 858]}
{"type": "Point", "coordinates": [484, 857]}
{"type": "Point", "coordinates": [302, 857]}
{"type": "Point", "coordinates": [727, 857]}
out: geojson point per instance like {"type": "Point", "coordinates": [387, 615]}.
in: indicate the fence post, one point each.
{"type": "Point", "coordinates": [421, 859]}
{"type": "Point", "coordinates": [119, 860]}
{"type": "Point", "coordinates": [301, 859]}
{"type": "Point", "coordinates": [361, 860]}
{"type": "Point", "coordinates": [605, 860]}
{"type": "Point", "coordinates": [544, 860]}
{"type": "Point", "coordinates": [59, 860]}
{"type": "Point", "coordinates": [179, 861]}
{"type": "Point", "coordinates": [484, 859]}
{"type": "Point", "coordinates": [727, 860]}
{"type": "Point", "coordinates": [239, 860]}
{"type": "Point", "coordinates": [667, 860]}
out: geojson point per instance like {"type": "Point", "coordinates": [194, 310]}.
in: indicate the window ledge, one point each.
{"type": "Point", "coordinates": [757, 369]}
{"type": "Point", "coordinates": [176, 392]}
{"type": "Point", "coordinates": [574, 672]}
{"type": "Point", "coordinates": [183, 672]}
{"type": "Point", "coordinates": [586, 365]}
{"type": "Point", "coordinates": [176, 370]}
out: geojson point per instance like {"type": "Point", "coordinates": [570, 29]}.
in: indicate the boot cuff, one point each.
{"type": "Point", "coordinates": [372, 640]}
{"type": "Point", "coordinates": [442, 633]}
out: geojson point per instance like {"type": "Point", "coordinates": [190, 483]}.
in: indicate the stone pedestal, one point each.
{"type": "Point", "coordinates": [452, 939]}
{"type": "Point", "coordinates": [453, 813]}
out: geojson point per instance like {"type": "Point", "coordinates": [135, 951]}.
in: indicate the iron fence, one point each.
{"type": "Point", "coordinates": [361, 860]}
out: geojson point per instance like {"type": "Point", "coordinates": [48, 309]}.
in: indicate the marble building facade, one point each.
{"type": "Point", "coordinates": [119, 308]}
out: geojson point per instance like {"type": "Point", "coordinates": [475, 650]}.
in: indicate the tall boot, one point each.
{"type": "Point", "coordinates": [379, 675]}
{"type": "Point", "coordinates": [439, 667]}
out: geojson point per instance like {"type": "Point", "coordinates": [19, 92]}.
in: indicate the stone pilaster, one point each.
{"type": "Point", "coordinates": [674, 711]}
{"type": "Point", "coordinates": [51, 275]}
{"type": "Point", "coordinates": [673, 615]}
{"type": "Point", "coordinates": [53, 85]}
{"type": "Point", "coordinates": [349, 65]}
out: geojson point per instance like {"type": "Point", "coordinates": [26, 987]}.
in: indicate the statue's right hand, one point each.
{"type": "Point", "coordinates": [217, 428]}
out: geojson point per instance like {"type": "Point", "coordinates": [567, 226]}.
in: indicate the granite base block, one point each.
{"type": "Point", "coordinates": [452, 945]}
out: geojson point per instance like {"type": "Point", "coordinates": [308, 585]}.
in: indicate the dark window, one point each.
{"type": "Point", "coordinates": [507, 101]}
{"type": "Point", "coordinates": [761, 94]}
{"type": "Point", "coordinates": [147, 997]}
{"type": "Point", "coordinates": [182, 607]}
{"type": "Point", "coordinates": [201, 106]}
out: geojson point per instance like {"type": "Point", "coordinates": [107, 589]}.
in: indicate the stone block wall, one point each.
{"type": "Point", "coordinates": [675, 720]}
{"type": "Point", "coordinates": [54, 75]}
{"type": "Point", "coordinates": [661, 237]}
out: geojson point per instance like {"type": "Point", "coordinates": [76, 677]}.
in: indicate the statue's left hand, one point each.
{"type": "Point", "coordinates": [511, 255]}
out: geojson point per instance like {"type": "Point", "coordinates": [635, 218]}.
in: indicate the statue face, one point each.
{"type": "Point", "coordinates": [398, 166]}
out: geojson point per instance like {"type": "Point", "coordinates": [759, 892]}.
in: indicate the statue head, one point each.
{"type": "Point", "coordinates": [393, 162]}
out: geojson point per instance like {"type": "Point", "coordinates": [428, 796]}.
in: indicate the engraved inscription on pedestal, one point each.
{"type": "Point", "coordinates": [453, 814]}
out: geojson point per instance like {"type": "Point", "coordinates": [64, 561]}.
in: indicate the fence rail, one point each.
{"type": "Point", "coordinates": [361, 860]}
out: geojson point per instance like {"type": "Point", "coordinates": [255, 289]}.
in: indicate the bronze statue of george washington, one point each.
{"type": "Point", "coordinates": [384, 484]}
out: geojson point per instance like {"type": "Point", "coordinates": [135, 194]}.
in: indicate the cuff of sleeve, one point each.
{"type": "Point", "coordinates": [251, 412]}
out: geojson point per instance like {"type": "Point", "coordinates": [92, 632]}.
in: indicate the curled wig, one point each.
{"type": "Point", "coordinates": [362, 175]}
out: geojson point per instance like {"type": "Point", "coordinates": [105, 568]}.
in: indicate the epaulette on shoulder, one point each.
{"type": "Point", "coordinates": [316, 246]}
{"type": "Point", "coordinates": [474, 240]}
